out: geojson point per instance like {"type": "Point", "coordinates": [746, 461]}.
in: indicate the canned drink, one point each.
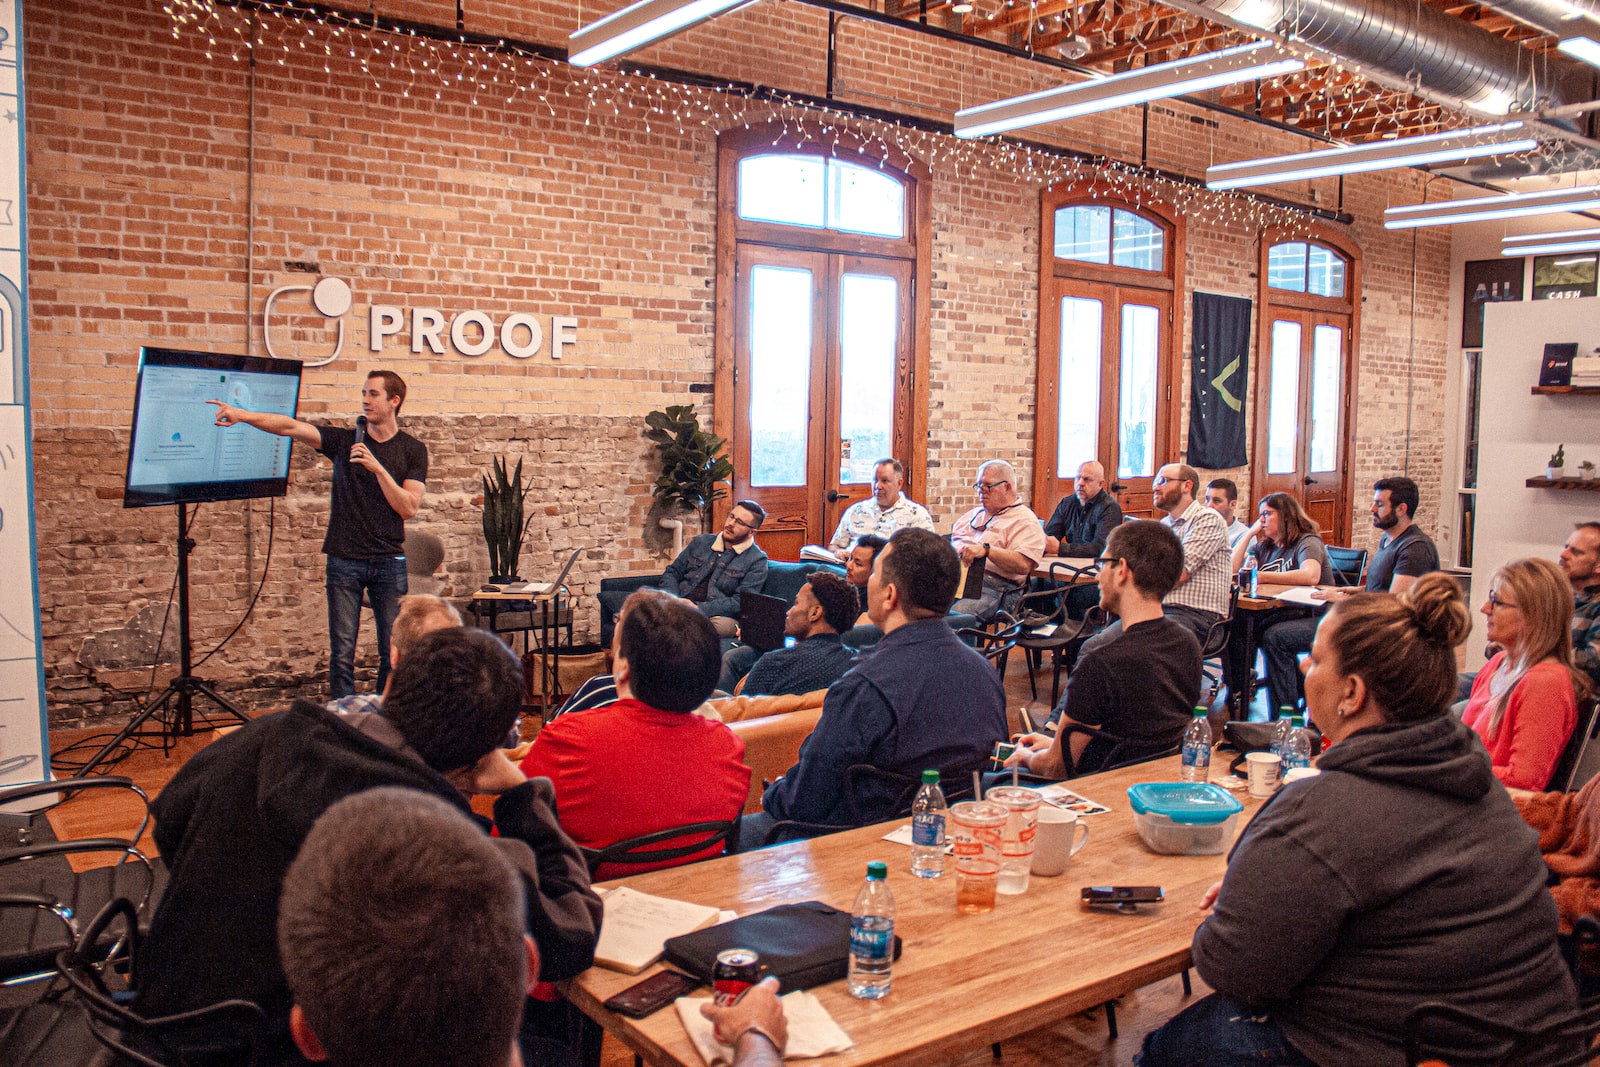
{"type": "Point", "coordinates": [736, 970]}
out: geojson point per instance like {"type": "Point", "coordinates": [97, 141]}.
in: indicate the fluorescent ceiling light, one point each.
{"type": "Point", "coordinates": [637, 25]}
{"type": "Point", "coordinates": [1260, 60]}
{"type": "Point", "coordinates": [1380, 155]}
{"type": "Point", "coordinates": [1584, 48]}
{"type": "Point", "coordinates": [1505, 206]}
{"type": "Point", "coordinates": [1551, 242]}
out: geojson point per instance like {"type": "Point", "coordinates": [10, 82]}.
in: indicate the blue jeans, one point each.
{"type": "Point", "coordinates": [384, 582]}
{"type": "Point", "coordinates": [1219, 1032]}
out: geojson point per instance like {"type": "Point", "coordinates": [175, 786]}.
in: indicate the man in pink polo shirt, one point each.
{"type": "Point", "coordinates": [1003, 532]}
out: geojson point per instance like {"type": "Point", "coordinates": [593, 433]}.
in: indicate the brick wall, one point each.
{"type": "Point", "coordinates": [167, 191]}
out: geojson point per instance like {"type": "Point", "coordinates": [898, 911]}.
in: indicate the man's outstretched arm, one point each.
{"type": "Point", "coordinates": [282, 425]}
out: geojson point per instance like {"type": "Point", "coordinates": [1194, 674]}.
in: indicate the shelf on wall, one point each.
{"type": "Point", "coordinates": [1578, 390]}
{"type": "Point", "coordinates": [1585, 485]}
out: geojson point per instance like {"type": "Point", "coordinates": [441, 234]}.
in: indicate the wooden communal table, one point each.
{"type": "Point", "coordinates": [1083, 563]}
{"type": "Point", "coordinates": [1253, 613]}
{"type": "Point", "coordinates": [964, 981]}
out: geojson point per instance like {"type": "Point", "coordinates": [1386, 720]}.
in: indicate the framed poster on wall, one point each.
{"type": "Point", "coordinates": [1486, 281]}
{"type": "Point", "coordinates": [1565, 277]}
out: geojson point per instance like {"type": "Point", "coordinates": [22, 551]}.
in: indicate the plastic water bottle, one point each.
{"type": "Point", "coordinates": [1250, 574]}
{"type": "Point", "coordinates": [927, 828]}
{"type": "Point", "coordinates": [1297, 746]}
{"type": "Point", "coordinates": [1197, 748]}
{"type": "Point", "coordinates": [1280, 733]}
{"type": "Point", "coordinates": [872, 936]}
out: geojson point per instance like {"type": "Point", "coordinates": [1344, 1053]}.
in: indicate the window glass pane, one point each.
{"type": "Point", "coordinates": [1326, 272]}
{"type": "Point", "coordinates": [1084, 233]}
{"type": "Point", "coordinates": [1078, 385]}
{"type": "Point", "coordinates": [1327, 363]}
{"type": "Point", "coordinates": [1141, 325]}
{"type": "Point", "coordinates": [865, 200]}
{"type": "Point", "coordinates": [1284, 402]}
{"type": "Point", "coordinates": [1137, 242]}
{"type": "Point", "coordinates": [1286, 266]}
{"type": "Point", "coordinates": [869, 306]}
{"type": "Point", "coordinates": [784, 189]}
{"type": "Point", "coordinates": [780, 374]}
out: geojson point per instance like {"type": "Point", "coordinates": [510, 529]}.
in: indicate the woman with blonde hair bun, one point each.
{"type": "Point", "coordinates": [1400, 874]}
{"type": "Point", "coordinates": [1524, 703]}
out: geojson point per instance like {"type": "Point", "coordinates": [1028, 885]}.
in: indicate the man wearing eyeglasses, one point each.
{"type": "Point", "coordinates": [713, 569]}
{"type": "Point", "coordinates": [1004, 533]}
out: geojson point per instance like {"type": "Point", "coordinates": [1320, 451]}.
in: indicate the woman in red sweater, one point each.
{"type": "Point", "coordinates": [1524, 702]}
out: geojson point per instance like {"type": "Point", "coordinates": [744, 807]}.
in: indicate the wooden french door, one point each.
{"type": "Point", "coordinates": [1302, 414]}
{"type": "Point", "coordinates": [822, 385]}
{"type": "Point", "coordinates": [1106, 373]}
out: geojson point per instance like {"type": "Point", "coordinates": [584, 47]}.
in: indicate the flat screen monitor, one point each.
{"type": "Point", "coordinates": [178, 455]}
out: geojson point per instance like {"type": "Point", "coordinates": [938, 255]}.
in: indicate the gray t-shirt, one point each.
{"type": "Point", "coordinates": [1275, 559]}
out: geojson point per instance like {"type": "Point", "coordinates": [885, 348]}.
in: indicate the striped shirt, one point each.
{"type": "Point", "coordinates": [1206, 558]}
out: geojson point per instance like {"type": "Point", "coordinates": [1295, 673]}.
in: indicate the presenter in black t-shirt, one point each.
{"type": "Point", "coordinates": [379, 476]}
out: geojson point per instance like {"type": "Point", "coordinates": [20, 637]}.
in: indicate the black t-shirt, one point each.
{"type": "Point", "coordinates": [361, 524]}
{"type": "Point", "coordinates": [1412, 554]}
{"type": "Point", "coordinates": [1142, 687]}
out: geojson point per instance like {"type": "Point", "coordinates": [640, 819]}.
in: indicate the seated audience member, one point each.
{"type": "Point", "coordinates": [713, 569]}
{"type": "Point", "coordinates": [1200, 599]}
{"type": "Point", "coordinates": [881, 514]}
{"type": "Point", "coordinates": [420, 613]}
{"type": "Point", "coordinates": [646, 762]}
{"type": "Point", "coordinates": [401, 934]}
{"type": "Point", "coordinates": [1004, 533]}
{"type": "Point", "coordinates": [922, 699]}
{"type": "Point", "coordinates": [858, 568]}
{"type": "Point", "coordinates": [232, 819]}
{"type": "Point", "coordinates": [1580, 559]}
{"type": "Point", "coordinates": [601, 689]}
{"type": "Point", "coordinates": [1285, 542]}
{"type": "Point", "coordinates": [1399, 875]}
{"type": "Point", "coordinates": [1079, 527]}
{"type": "Point", "coordinates": [824, 608]}
{"type": "Point", "coordinates": [1222, 496]}
{"type": "Point", "coordinates": [1405, 553]}
{"type": "Point", "coordinates": [1142, 686]}
{"type": "Point", "coordinates": [1523, 701]}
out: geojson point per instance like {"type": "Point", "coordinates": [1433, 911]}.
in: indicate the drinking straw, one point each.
{"type": "Point", "coordinates": [977, 786]}
{"type": "Point", "coordinates": [1014, 767]}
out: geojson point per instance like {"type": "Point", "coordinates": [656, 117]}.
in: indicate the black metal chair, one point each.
{"type": "Point", "coordinates": [996, 641]}
{"type": "Point", "coordinates": [1349, 564]}
{"type": "Point", "coordinates": [46, 898]}
{"type": "Point", "coordinates": [1580, 759]}
{"type": "Point", "coordinates": [642, 849]}
{"type": "Point", "coordinates": [1566, 1041]}
{"type": "Point", "coordinates": [1124, 752]}
{"type": "Point", "coordinates": [235, 1028]}
{"type": "Point", "coordinates": [1048, 608]}
{"type": "Point", "coordinates": [1215, 646]}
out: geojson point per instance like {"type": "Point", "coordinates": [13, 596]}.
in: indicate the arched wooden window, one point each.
{"type": "Point", "coordinates": [1305, 371]}
{"type": "Point", "coordinates": [822, 327]}
{"type": "Point", "coordinates": [1107, 345]}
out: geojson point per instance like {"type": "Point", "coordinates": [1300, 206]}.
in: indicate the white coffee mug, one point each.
{"type": "Point", "coordinates": [1263, 772]}
{"type": "Point", "coordinates": [1056, 840]}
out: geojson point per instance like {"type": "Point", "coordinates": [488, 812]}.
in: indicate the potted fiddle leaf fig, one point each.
{"type": "Point", "coordinates": [694, 463]}
{"type": "Point", "coordinates": [503, 522]}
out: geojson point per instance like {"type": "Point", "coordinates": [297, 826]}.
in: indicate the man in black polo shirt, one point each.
{"type": "Point", "coordinates": [1080, 525]}
{"type": "Point", "coordinates": [1143, 685]}
{"type": "Point", "coordinates": [379, 475]}
{"type": "Point", "coordinates": [1405, 553]}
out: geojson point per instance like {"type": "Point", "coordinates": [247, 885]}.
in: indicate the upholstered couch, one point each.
{"type": "Point", "coordinates": [784, 580]}
{"type": "Point", "coordinates": [773, 728]}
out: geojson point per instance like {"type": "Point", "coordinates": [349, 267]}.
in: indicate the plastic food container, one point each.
{"type": "Point", "coordinates": [1184, 818]}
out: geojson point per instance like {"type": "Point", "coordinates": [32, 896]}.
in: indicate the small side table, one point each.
{"type": "Point", "coordinates": [545, 615]}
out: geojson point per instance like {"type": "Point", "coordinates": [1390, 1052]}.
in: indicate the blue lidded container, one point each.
{"type": "Point", "coordinates": [1184, 818]}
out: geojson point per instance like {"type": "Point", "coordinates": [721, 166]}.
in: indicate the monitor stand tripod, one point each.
{"type": "Point", "coordinates": [178, 696]}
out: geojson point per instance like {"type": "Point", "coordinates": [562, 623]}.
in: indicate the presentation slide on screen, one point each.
{"type": "Point", "coordinates": [177, 441]}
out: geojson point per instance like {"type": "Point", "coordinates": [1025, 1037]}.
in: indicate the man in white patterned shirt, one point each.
{"type": "Point", "coordinates": [1201, 596]}
{"type": "Point", "coordinates": [882, 513]}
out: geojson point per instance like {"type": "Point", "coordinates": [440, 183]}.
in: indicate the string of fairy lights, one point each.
{"type": "Point", "coordinates": [396, 57]}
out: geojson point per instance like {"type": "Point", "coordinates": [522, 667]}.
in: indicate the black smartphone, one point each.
{"type": "Point", "coordinates": [1121, 897]}
{"type": "Point", "coordinates": [652, 994]}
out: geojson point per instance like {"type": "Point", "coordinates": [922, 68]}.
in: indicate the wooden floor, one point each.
{"type": "Point", "coordinates": [1080, 1041]}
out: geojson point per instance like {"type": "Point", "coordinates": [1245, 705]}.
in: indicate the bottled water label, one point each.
{"type": "Point", "coordinates": [1196, 754]}
{"type": "Point", "coordinates": [927, 829]}
{"type": "Point", "coordinates": [872, 939]}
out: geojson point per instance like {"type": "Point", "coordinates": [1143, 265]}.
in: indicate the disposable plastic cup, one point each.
{"type": "Point", "coordinates": [977, 829]}
{"type": "Point", "coordinates": [1017, 841]}
{"type": "Point", "coordinates": [1263, 772]}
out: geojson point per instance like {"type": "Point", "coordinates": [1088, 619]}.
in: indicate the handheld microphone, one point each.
{"type": "Point", "coordinates": [361, 428]}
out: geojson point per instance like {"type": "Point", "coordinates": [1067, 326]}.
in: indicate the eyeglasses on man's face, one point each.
{"type": "Point", "coordinates": [735, 520]}
{"type": "Point", "coordinates": [985, 487]}
{"type": "Point", "coordinates": [1106, 561]}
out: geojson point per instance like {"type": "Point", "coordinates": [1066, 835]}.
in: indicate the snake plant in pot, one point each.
{"type": "Point", "coordinates": [503, 523]}
{"type": "Point", "coordinates": [694, 465]}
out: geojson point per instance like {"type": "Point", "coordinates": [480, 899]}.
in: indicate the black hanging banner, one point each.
{"type": "Point", "coordinates": [1217, 381]}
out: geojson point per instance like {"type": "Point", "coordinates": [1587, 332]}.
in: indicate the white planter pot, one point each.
{"type": "Point", "coordinates": [1555, 474]}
